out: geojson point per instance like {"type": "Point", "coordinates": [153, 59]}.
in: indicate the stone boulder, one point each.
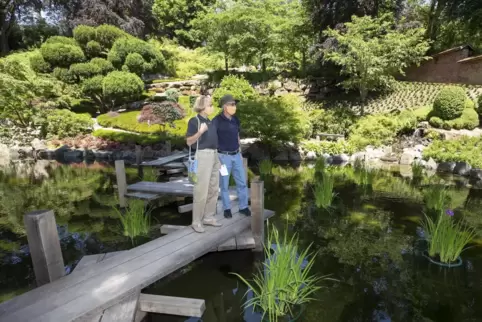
{"type": "Point", "coordinates": [409, 156]}
{"type": "Point", "coordinates": [310, 156]}
{"type": "Point", "coordinates": [431, 164]}
{"type": "Point", "coordinates": [340, 159]}
{"type": "Point", "coordinates": [476, 174]}
{"type": "Point", "coordinates": [447, 167]}
{"type": "Point", "coordinates": [38, 145]}
{"type": "Point", "coordinates": [462, 168]}
{"type": "Point", "coordinates": [358, 156]}
{"type": "Point", "coordinates": [4, 155]}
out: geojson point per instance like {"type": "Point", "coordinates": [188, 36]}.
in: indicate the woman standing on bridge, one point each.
{"type": "Point", "coordinates": [202, 139]}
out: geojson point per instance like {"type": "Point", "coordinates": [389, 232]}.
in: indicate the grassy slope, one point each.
{"type": "Point", "coordinates": [407, 95]}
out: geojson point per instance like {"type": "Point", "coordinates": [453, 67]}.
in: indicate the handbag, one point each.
{"type": "Point", "coordinates": [192, 161]}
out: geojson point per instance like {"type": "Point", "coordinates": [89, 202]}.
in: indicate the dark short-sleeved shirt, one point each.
{"type": "Point", "coordinates": [228, 132]}
{"type": "Point", "coordinates": [209, 139]}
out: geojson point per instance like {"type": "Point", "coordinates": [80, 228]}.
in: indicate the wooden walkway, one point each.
{"type": "Point", "coordinates": [101, 285]}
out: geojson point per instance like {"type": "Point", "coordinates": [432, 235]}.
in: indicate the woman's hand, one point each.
{"type": "Point", "coordinates": [203, 128]}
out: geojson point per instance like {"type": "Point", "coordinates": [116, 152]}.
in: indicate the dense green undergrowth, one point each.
{"type": "Point", "coordinates": [466, 149]}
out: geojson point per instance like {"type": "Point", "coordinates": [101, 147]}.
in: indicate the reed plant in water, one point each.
{"type": "Point", "coordinates": [323, 191]}
{"type": "Point", "coordinates": [437, 198]}
{"type": "Point", "coordinates": [320, 165]}
{"type": "Point", "coordinates": [285, 282]}
{"type": "Point", "coordinates": [265, 167]}
{"type": "Point", "coordinates": [136, 221]}
{"type": "Point", "coordinates": [446, 238]}
{"type": "Point", "coordinates": [417, 170]}
{"type": "Point", "coordinates": [359, 164]}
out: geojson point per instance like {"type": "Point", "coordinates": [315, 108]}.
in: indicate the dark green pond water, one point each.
{"type": "Point", "coordinates": [369, 242]}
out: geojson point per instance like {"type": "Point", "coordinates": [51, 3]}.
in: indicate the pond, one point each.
{"type": "Point", "coordinates": [368, 241]}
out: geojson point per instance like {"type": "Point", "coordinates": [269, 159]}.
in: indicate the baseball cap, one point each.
{"type": "Point", "coordinates": [226, 99]}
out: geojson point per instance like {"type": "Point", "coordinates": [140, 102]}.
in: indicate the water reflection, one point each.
{"type": "Point", "coordinates": [369, 243]}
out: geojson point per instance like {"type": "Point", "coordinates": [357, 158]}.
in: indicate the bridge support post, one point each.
{"type": "Point", "coordinates": [44, 245]}
{"type": "Point", "coordinates": [245, 166]}
{"type": "Point", "coordinates": [257, 209]}
{"type": "Point", "coordinates": [120, 173]}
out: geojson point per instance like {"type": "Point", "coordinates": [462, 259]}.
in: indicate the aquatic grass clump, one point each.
{"type": "Point", "coordinates": [437, 198]}
{"type": "Point", "coordinates": [417, 170]}
{"type": "Point", "coordinates": [136, 221]}
{"type": "Point", "coordinates": [446, 237]}
{"type": "Point", "coordinates": [265, 167]}
{"type": "Point", "coordinates": [323, 191]}
{"type": "Point", "coordinates": [285, 282]}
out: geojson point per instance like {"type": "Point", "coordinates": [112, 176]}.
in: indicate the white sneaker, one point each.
{"type": "Point", "coordinates": [198, 228]}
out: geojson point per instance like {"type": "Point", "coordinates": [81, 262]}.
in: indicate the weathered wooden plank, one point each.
{"type": "Point", "coordinates": [105, 289]}
{"type": "Point", "coordinates": [179, 179]}
{"type": "Point", "coordinates": [165, 160]}
{"type": "Point", "coordinates": [124, 311]}
{"type": "Point", "coordinates": [257, 210]}
{"type": "Point", "coordinates": [167, 188]}
{"type": "Point", "coordinates": [245, 240]}
{"type": "Point", "coordinates": [171, 305]}
{"type": "Point", "coordinates": [167, 229]}
{"type": "Point", "coordinates": [44, 245]}
{"type": "Point", "coordinates": [140, 316]}
{"type": "Point", "coordinates": [112, 254]}
{"type": "Point", "coordinates": [143, 196]}
{"type": "Point", "coordinates": [230, 244]}
{"type": "Point", "coordinates": [174, 165]}
{"type": "Point", "coordinates": [174, 171]}
{"type": "Point", "coordinates": [121, 181]}
{"type": "Point", "coordinates": [87, 260]}
{"type": "Point", "coordinates": [184, 208]}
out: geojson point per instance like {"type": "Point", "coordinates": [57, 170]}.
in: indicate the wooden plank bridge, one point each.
{"type": "Point", "coordinates": [107, 287]}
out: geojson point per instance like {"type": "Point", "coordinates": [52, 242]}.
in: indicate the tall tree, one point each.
{"type": "Point", "coordinates": [10, 12]}
{"type": "Point", "coordinates": [132, 16]}
{"type": "Point", "coordinates": [371, 51]}
{"type": "Point", "coordinates": [175, 18]}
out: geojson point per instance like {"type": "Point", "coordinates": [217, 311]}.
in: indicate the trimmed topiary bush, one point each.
{"type": "Point", "coordinates": [61, 40]}
{"type": "Point", "coordinates": [84, 70]}
{"type": "Point", "coordinates": [104, 65]}
{"type": "Point", "coordinates": [153, 59]}
{"type": "Point", "coordinates": [93, 49]}
{"type": "Point", "coordinates": [84, 34]}
{"type": "Point", "coordinates": [450, 103]}
{"type": "Point", "coordinates": [436, 121]}
{"type": "Point", "coordinates": [239, 87]}
{"type": "Point", "coordinates": [134, 64]}
{"type": "Point", "coordinates": [479, 106]}
{"type": "Point", "coordinates": [469, 120]}
{"type": "Point", "coordinates": [92, 88]}
{"type": "Point", "coordinates": [61, 54]}
{"type": "Point", "coordinates": [38, 63]}
{"type": "Point", "coordinates": [121, 87]}
{"type": "Point", "coordinates": [63, 74]}
{"type": "Point", "coordinates": [106, 35]}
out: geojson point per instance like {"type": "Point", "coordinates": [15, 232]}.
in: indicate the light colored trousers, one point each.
{"type": "Point", "coordinates": [206, 189]}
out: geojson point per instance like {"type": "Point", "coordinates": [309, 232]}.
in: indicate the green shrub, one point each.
{"type": "Point", "coordinates": [469, 104]}
{"type": "Point", "coordinates": [84, 34]}
{"type": "Point", "coordinates": [334, 121]}
{"type": "Point", "coordinates": [479, 107]}
{"type": "Point", "coordinates": [38, 64]}
{"type": "Point", "coordinates": [469, 120]}
{"type": "Point", "coordinates": [93, 49]}
{"type": "Point", "coordinates": [61, 55]}
{"type": "Point", "coordinates": [271, 120]}
{"type": "Point", "coordinates": [64, 75]}
{"type": "Point", "coordinates": [164, 113]}
{"type": "Point", "coordinates": [64, 123]}
{"type": "Point", "coordinates": [192, 100]}
{"type": "Point", "coordinates": [134, 64]}
{"type": "Point", "coordinates": [172, 95]}
{"type": "Point", "coordinates": [466, 149]}
{"type": "Point", "coordinates": [450, 103]}
{"type": "Point", "coordinates": [379, 130]}
{"type": "Point", "coordinates": [436, 121]}
{"type": "Point", "coordinates": [236, 86]}
{"type": "Point", "coordinates": [125, 137]}
{"type": "Point", "coordinates": [61, 40]}
{"type": "Point", "coordinates": [329, 147]}
{"type": "Point", "coordinates": [153, 59]}
{"type": "Point", "coordinates": [106, 35]}
{"type": "Point", "coordinates": [104, 65]}
{"type": "Point", "coordinates": [122, 87]}
{"type": "Point", "coordinates": [84, 70]}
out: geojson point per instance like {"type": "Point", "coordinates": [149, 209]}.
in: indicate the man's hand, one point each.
{"type": "Point", "coordinates": [203, 128]}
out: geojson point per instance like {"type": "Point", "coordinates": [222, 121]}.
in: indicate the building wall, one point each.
{"type": "Point", "coordinates": [446, 68]}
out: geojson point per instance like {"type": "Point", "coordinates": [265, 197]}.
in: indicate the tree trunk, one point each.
{"type": "Point", "coordinates": [263, 65]}
{"type": "Point", "coordinates": [226, 65]}
{"type": "Point", "coordinates": [4, 48]}
{"type": "Point", "coordinates": [303, 63]}
{"type": "Point", "coordinates": [363, 96]}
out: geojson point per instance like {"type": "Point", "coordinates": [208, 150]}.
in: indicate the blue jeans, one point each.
{"type": "Point", "coordinates": [234, 165]}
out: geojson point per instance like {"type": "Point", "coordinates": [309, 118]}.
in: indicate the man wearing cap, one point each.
{"type": "Point", "coordinates": [229, 151]}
